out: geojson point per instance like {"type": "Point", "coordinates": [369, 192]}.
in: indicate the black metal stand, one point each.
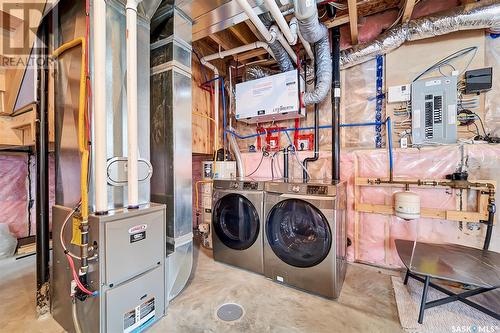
{"type": "Point", "coordinates": [452, 297]}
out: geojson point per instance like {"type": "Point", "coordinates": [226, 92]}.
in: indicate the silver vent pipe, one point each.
{"type": "Point", "coordinates": [313, 31]}
{"type": "Point", "coordinates": [479, 15]}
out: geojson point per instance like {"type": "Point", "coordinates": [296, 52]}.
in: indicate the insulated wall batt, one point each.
{"type": "Point", "coordinates": [377, 232]}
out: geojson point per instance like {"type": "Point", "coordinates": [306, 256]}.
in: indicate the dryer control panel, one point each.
{"type": "Point", "coordinates": [317, 189]}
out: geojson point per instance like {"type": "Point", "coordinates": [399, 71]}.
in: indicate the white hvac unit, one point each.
{"type": "Point", "coordinates": [270, 98]}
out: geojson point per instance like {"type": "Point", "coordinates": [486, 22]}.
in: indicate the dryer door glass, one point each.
{"type": "Point", "coordinates": [236, 221]}
{"type": "Point", "coordinates": [298, 233]}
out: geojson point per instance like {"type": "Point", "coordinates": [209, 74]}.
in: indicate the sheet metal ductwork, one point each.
{"type": "Point", "coordinates": [480, 15]}
{"type": "Point", "coordinates": [315, 32]}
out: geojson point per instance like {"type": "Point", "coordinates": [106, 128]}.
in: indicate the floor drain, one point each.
{"type": "Point", "coordinates": [229, 312]}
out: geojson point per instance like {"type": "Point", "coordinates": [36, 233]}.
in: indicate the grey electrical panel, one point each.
{"type": "Point", "coordinates": [434, 110]}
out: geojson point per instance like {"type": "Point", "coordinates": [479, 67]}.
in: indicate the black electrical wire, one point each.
{"type": "Point", "coordinates": [482, 125]}
{"type": "Point", "coordinates": [449, 58]}
{"type": "Point", "coordinates": [30, 194]}
{"type": "Point", "coordinates": [258, 166]}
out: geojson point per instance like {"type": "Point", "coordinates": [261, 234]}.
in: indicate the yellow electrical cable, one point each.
{"type": "Point", "coordinates": [82, 142]}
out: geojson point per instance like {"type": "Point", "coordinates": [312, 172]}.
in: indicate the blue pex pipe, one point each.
{"type": "Point", "coordinates": [243, 137]}
{"type": "Point", "coordinates": [387, 122]}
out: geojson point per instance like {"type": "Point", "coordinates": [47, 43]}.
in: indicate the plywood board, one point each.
{"type": "Point", "coordinates": [408, 61]}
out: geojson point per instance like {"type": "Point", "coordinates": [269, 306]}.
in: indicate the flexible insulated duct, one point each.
{"type": "Point", "coordinates": [280, 54]}
{"type": "Point", "coordinates": [480, 15]}
{"type": "Point", "coordinates": [314, 32]}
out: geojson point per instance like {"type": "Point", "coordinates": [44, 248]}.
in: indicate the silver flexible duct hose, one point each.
{"type": "Point", "coordinates": [282, 57]}
{"type": "Point", "coordinates": [480, 15]}
{"type": "Point", "coordinates": [237, 154]}
{"type": "Point", "coordinates": [315, 32]}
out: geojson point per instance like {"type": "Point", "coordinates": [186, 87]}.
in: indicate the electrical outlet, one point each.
{"type": "Point", "coordinates": [303, 144]}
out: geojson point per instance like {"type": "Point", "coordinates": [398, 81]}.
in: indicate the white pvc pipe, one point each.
{"type": "Point", "coordinates": [236, 50]}
{"type": "Point", "coordinates": [273, 8]}
{"type": "Point", "coordinates": [99, 77]}
{"type": "Point", "coordinates": [132, 147]}
{"type": "Point", "coordinates": [256, 20]}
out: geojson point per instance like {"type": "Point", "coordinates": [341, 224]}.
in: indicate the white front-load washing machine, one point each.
{"type": "Point", "coordinates": [237, 222]}
{"type": "Point", "coordinates": [305, 235]}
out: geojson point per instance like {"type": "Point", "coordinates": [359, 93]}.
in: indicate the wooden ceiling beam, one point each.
{"type": "Point", "coordinates": [408, 10]}
{"type": "Point", "coordinates": [225, 39]}
{"type": "Point", "coordinates": [336, 21]}
{"type": "Point", "coordinates": [353, 20]}
{"type": "Point", "coordinates": [250, 54]}
{"type": "Point", "coordinates": [244, 35]}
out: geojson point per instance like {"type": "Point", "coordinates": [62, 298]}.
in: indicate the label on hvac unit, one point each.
{"type": "Point", "coordinates": [416, 119]}
{"type": "Point", "coordinates": [137, 236]}
{"type": "Point", "coordinates": [139, 318]}
{"type": "Point", "coordinates": [452, 114]}
{"type": "Point", "coordinates": [262, 88]}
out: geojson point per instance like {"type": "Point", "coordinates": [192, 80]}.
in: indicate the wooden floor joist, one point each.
{"type": "Point", "coordinates": [353, 20]}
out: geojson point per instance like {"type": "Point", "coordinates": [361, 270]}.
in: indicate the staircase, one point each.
{"type": "Point", "coordinates": [17, 81]}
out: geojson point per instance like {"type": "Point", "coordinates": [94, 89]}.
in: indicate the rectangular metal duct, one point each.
{"type": "Point", "coordinates": [171, 183]}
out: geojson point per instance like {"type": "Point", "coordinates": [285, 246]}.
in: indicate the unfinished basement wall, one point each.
{"type": "Point", "coordinates": [16, 169]}
{"type": "Point", "coordinates": [373, 234]}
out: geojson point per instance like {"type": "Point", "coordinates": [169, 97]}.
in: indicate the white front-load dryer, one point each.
{"type": "Point", "coordinates": [237, 222]}
{"type": "Point", "coordinates": [305, 236]}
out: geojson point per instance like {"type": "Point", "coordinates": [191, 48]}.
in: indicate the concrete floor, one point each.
{"type": "Point", "coordinates": [366, 304]}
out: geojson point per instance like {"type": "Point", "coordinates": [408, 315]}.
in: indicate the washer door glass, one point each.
{"type": "Point", "coordinates": [298, 233]}
{"type": "Point", "coordinates": [236, 221]}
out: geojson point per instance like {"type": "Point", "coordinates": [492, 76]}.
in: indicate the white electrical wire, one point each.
{"type": "Point", "coordinates": [294, 153]}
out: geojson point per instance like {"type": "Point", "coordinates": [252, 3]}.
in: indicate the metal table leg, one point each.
{"type": "Point", "coordinates": [424, 300]}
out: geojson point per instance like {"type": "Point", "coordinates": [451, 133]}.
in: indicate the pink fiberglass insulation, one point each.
{"type": "Point", "coordinates": [370, 27]}
{"type": "Point", "coordinates": [378, 232]}
{"type": "Point", "coordinates": [14, 192]}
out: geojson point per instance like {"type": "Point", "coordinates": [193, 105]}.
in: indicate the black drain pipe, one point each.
{"type": "Point", "coordinates": [285, 164]}
{"type": "Point", "coordinates": [335, 93]}
{"type": "Point", "coordinates": [315, 157]}
{"type": "Point", "coordinates": [42, 172]}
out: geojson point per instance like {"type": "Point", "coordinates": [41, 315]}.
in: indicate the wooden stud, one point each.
{"type": "Point", "coordinates": [408, 10]}
{"type": "Point", "coordinates": [353, 20]}
{"type": "Point", "coordinates": [336, 21]}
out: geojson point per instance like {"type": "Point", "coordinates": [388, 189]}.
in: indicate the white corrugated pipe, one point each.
{"type": "Point", "coordinates": [99, 77]}
{"type": "Point", "coordinates": [313, 31]}
{"type": "Point", "coordinates": [132, 147]}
